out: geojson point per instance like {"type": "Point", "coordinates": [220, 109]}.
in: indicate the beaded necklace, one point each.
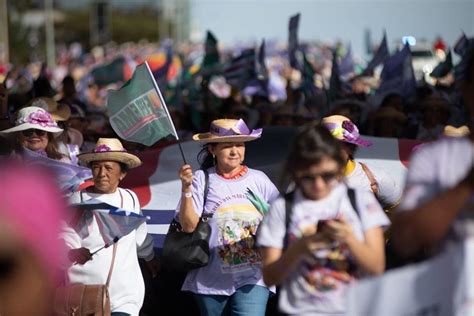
{"type": "Point", "coordinates": [243, 170]}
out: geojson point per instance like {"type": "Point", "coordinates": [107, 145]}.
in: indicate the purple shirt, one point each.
{"type": "Point", "coordinates": [234, 260]}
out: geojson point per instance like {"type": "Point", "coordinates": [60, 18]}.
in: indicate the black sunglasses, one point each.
{"type": "Point", "coordinates": [29, 132]}
{"type": "Point", "coordinates": [326, 176]}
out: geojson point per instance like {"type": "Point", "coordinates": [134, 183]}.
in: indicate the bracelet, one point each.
{"type": "Point", "coordinates": [187, 194]}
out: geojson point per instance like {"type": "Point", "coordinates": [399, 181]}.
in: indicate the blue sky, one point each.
{"type": "Point", "coordinates": [329, 20]}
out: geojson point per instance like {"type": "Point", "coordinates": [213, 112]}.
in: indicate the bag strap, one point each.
{"type": "Point", "coordinates": [206, 191]}
{"type": "Point", "coordinates": [374, 185]}
{"type": "Point", "coordinates": [352, 198]}
{"type": "Point", "coordinates": [288, 211]}
{"type": "Point", "coordinates": [133, 199]}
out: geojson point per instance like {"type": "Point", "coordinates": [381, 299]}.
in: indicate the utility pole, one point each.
{"type": "Point", "coordinates": [50, 42]}
{"type": "Point", "coordinates": [4, 45]}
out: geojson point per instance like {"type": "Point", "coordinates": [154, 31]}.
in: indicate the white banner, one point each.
{"type": "Point", "coordinates": [442, 286]}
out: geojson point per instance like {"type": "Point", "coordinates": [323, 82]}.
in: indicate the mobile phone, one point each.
{"type": "Point", "coordinates": [321, 225]}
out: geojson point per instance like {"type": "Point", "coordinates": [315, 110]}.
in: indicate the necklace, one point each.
{"type": "Point", "coordinates": [243, 170]}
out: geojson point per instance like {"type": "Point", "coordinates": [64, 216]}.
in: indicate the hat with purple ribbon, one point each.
{"type": "Point", "coordinates": [110, 149]}
{"type": "Point", "coordinates": [228, 130]}
{"type": "Point", "coordinates": [33, 117]}
{"type": "Point", "coordinates": [343, 129]}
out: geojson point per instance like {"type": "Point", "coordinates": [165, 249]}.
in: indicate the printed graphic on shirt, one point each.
{"type": "Point", "coordinates": [237, 227]}
{"type": "Point", "coordinates": [327, 269]}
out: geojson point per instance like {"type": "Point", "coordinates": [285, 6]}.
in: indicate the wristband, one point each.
{"type": "Point", "coordinates": [188, 194]}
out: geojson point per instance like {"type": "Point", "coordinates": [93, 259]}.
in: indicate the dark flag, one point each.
{"type": "Point", "coordinates": [262, 71]}
{"type": "Point", "coordinates": [110, 73]}
{"type": "Point", "coordinates": [461, 70]}
{"type": "Point", "coordinates": [307, 85]}
{"type": "Point", "coordinates": [444, 67]}
{"type": "Point", "coordinates": [379, 57]}
{"type": "Point", "coordinates": [293, 40]}
{"type": "Point", "coordinates": [346, 66]}
{"type": "Point", "coordinates": [461, 45]}
{"type": "Point", "coordinates": [398, 75]}
{"type": "Point", "coordinates": [241, 69]}
{"type": "Point", "coordinates": [211, 59]}
{"type": "Point", "coordinates": [259, 85]}
{"type": "Point", "coordinates": [335, 84]}
{"type": "Point", "coordinates": [160, 73]}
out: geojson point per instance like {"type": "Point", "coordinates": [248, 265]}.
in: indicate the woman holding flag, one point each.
{"type": "Point", "coordinates": [237, 200]}
{"type": "Point", "coordinates": [88, 234]}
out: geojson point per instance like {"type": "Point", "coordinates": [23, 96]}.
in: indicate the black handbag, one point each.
{"type": "Point", "coordinates": [186, 251]}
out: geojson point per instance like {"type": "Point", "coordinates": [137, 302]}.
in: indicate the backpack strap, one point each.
{"type": "Point", "coordinates": [289, 197]}
{"type": "Point", "coordinates": [131, 195]}
{"type": "Point", "coordinates": [374, 185]}
{"type": "Point", "coordinates": [352, 198]}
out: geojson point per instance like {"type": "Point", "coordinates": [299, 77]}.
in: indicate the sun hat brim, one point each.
{"type": "Point", "coordinates": [62, 114]}
{"type": "Point", "coordinates": [210, 138]}
{"type": "Point", "coordinates": [128, 159]}
{"type": "Point", "coordinates": [25, 126]}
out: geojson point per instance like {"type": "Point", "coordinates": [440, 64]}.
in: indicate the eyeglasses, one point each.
{"type": "Point", "coordinates": [29, 132]}
{"type": "Point", "coordinates": [325, 176]}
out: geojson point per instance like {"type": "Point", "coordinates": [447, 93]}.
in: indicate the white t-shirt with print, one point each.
{"type": "Point", "coordinates": [435, 168]}
{"type": "Point", "coordinates": [389, 192]}
{"type": "Point", "coordinates": [318, 285]}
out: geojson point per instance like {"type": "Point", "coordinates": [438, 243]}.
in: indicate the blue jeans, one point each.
{"type": "Point", "coordinates": [247, 300]}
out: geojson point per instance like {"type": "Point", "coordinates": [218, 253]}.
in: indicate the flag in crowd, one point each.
{"type": "Point", "coordinates": [379, 57]}
{"type": "Point", "coordinates": [138, 112]}
{"type": "Point", "coordinates": [293, 45]}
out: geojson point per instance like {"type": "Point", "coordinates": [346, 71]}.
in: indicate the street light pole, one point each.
{"type": "Point", "coordinates": [50, 45]}
{"type": "Point", "coordinates": [4, 45]}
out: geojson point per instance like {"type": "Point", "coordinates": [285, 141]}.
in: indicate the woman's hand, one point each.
{"type": "Point", "coordinates": [338, 230]}
{"type": "Point", "coordinates": [79, 255]}
{"type": "Point", "coordinates": [186, 176]}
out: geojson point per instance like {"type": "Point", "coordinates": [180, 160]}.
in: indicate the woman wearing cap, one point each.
{"type": "Point", "coordinates": [233, 277]}
{"type": "Point", "coordinates": [357, 174]}
{"type": "Point", "coordinates": [109, 162]}
{"type": "Point", "coordinates": [318, 240]}
{"type": "Point", "coordinates": [36, 130]}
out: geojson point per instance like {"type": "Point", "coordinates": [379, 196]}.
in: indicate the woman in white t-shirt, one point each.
{"type": "Point", "coordinates": [317, 240]}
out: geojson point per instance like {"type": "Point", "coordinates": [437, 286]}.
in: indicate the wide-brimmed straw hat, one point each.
{"type": "Point", "coordinates": [59, 112]}
{"type": "Point", "coordinates": [228, 130]}
{"type": "Point", "coordinates": [343, 129]}
{"type": "Point", "coordinates": [110, 149]}
{"type": "Point", "coordinates": [33, 117]}
{"type": "Point", "coordinates": [451, 131]}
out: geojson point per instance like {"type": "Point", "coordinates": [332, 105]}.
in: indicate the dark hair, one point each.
{"type": "Point", "coordinates": [352, 148]}
{"type": "Point", "coordinates": [52, 150]}
{"type": "Point", "coordinates": [205, 158]}
{"type": "Point", "coordinates": [311, 146]}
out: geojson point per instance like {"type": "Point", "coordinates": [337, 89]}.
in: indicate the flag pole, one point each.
{"type": "Point", "coordinates": [166, 109]}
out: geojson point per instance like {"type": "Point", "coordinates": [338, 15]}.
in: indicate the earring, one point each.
{"type": "Point", "coordinates": [214, 159]}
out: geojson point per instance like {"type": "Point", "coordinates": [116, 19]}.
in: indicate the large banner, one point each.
{"type": "Point", "coordinates": [441, 286]}
{"type": "Point", "coordinates": [158, 187]}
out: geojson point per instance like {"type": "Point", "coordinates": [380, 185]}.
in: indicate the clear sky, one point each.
{"type": "Point", "coordinates": [329, 20]}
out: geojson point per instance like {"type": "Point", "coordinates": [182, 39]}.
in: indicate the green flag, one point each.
{"type": "Point", "coordinates": [138, 111]}
{"type": "Point", "coordinates": [211, 59]}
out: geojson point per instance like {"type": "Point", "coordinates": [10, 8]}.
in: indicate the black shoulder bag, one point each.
{"type": "Point", "coordinates": [186, 251]}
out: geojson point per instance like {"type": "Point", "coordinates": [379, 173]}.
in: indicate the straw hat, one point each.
{"type": "Point", "coordinates": [110, 149]}
{"type": "Point", "coordinates": [33, 117]}
{"type": "Point", "coordinates": [343, 129]}
{"type": "Point", "coordinates": [452, 131]}
{"type": "Point", "coordinates": [59, 112]}
{"type": "Point", "coordinates": [228, 130]}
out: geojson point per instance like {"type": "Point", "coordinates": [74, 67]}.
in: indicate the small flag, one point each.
{"type": "Point", "coordinates": [112, 72]}
{"type": "Point", "coordinates": [138, 111]}
{"type": "Point", "coordinates": [211, 58]}
{"type": "Point", "coordinates": [335, 84]}
{"type": "Point", "coordinates": [346, 66]}
{"type": "Point", "coordinates": [461, 45]}
{"type": "Point", "coordinates": [379, 57]}
{"type": "Point", "coordinates": [398, 75]}
{"type": "Point", "coordinates": [293, 40]}
{"type": "Point", "coordinates": [241, 69]}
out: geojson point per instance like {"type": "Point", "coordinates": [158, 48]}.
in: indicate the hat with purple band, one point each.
{"type": "Point", "coordinates": [227, 131]}
{"type": "Point", "coordinates": [343, 129]}
{"type": "Point", "coordinates": [110, 149]}
{"type": "Point", "coordinates": [33, 117]}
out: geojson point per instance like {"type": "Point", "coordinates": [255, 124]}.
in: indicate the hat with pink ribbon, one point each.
{"type": "Point", "coordinates": [228, 130]}
{"type": "Point", "coordinates": [343, 129]}
{"type": "Point", "coordinates": [33, 117]}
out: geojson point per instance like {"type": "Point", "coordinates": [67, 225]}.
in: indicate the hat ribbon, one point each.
{"type": "Point", "coordinates": [240, 128]}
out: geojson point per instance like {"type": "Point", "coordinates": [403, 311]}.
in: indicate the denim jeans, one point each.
{"type": "Point", "coordinates": [247, 300]}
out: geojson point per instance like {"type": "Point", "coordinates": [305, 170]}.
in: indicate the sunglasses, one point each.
{"type": "Point", "coordinates": [30, 132]}
{"type": "Point", "coordinates": [325, 176]}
